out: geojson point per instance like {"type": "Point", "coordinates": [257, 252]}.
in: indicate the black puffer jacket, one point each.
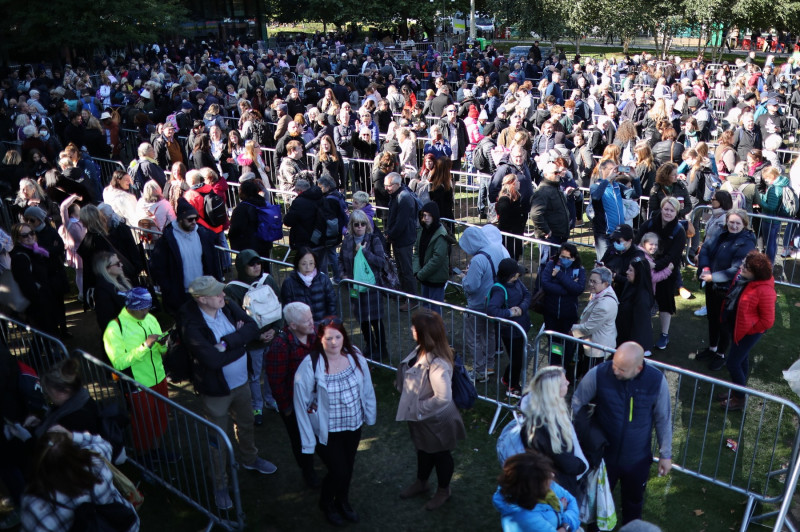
{"type": "Point", "coordinates": [320, 296]}
{"type": "Point", "coordinates": [549, 211]}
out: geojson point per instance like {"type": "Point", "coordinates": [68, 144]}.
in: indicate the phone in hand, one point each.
{"type": "Point", "coordinates": [163, 338]}
{"type": "Point", "coordinates": [457, 271]}
{"type": "Point", "coordinates": [624, 169]}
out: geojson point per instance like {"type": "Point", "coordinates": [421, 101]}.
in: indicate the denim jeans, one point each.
{"type": "Point", "coordinates": [259, 386]}
{"type": "Point", "coordinates": [326, 256]}
{"type": "Point", "coordinates": [433, 292]}
{"type": "Point", "coordinates": [483, 193]}
{"type": "Point", "coordinates": [770, 232]}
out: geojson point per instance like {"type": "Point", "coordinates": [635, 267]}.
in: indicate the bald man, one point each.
{"type": "Point", "coordinates": [631, 397]}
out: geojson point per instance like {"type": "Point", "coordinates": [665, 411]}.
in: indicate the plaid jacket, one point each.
{"type": "Point", "coordinates": [280, 364]}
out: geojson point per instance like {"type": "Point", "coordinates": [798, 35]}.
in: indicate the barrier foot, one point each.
{"type": "Point", "coordinates": [787, 525]}
{"type": "Point", "coordinates": [748, 513]}
{"type": "Point", "coordinates": [209, 526]}
{"type": "Point", "coordinates": [495, 418]}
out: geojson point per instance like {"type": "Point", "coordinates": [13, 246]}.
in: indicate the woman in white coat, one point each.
{"type": "Point", "coordinates": [333, 398]}
{"type": "Point", "coordinates": [598, 320]}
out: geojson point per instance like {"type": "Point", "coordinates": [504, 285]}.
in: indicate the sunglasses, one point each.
{"type": "Point", "coordinates": [330, 320]}
{"type": "Point", "coordinates": [191, 219]}
{"type": "Point", "coordinates": [118, 264]}
{"type": "Point", "coordinates": [359, 224]}
{"type": "Point", "coordinates": [26, 235]}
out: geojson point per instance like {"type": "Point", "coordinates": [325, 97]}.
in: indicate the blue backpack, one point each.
{"type": "Point", "coordinates": [270, 223]}
{"type": "Point", "coordinates": [464, 392]}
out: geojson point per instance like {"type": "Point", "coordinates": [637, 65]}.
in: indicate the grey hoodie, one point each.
{"type": "Point", "coordinates": [479, 278]}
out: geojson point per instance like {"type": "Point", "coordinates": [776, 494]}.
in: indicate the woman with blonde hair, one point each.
{"type": "Point", "coordinates": [645, 166]}
{"type": "Point", "coordinates": [512, 215]}
{"type": "Point", "coordinates": [613, 153]}
{"type": "Point", "coordinates": [110, 288]}
{"type": "Point", "coordinates": [153, 206]}
{"type": "Point", "coordinates": [548, 426]}
{"type": "Point", "coordinates": [250, 160]}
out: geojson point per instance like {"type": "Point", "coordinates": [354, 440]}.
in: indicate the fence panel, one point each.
{"type": "Point", "coordinates": [107, 169]}
{"type": "Point", "coordinates": [778, 237]}
{"type": "Point", "coordinates": [480, 340]}
{"type": "Point", "coordinates": [37, 349]}
{"type": "Point", "coordinates": [751, 452]}
{"type": "Point", "coordinates": [169, 444]}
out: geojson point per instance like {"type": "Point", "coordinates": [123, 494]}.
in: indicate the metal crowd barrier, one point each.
{"type": "Point", "coordinates": [465, 328]}
{"type": "Point", "coordinates": [146, 241]}
{"type": "Point", "coordinates": [169, 444]}
{"type": "Point", "coordinates": [755, 452]}
{"type": "Point", "coordinates": [35, 348]}
{"type": "Point", "coordinates": [787, 242]}
{"type": "Point", "coordinates": [107, 169]}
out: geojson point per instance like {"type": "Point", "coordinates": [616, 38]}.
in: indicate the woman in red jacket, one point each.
{"type": "Point", "coordinates": [748, 311]}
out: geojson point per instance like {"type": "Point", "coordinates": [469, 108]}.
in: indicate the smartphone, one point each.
{"type": "Point", "coordinates": [163, 338]}
{"type": "Point", "coordinates": [457, 271]}
{"type": "Point", "coordinates": [622, 169]}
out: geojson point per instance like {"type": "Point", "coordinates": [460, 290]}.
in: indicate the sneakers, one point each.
{"type": "Point", "coordinates": [481, 375]}
{"type": "Point", "coordinates": [262, 466]}
{"type": "Point", "coordinates": [271, 404]}
{"type": "Point", "coordinates": [702, 311]}
{"type": "Point", "coordinates": [223, 499]}
{"type": "Point", "coordinates": [258, 415]}
{"type": "Point", "coordinates": [663, 341]}
{"type": "Point", "coordinates": [705, 353]}
{"type": "Point", "coordinates": [685, 293]}
{"type": "Point", "coordinates": [718, 363]}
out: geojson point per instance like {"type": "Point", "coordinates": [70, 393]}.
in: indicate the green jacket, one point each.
{"type": "Point", "coordinates": [772, 202]}
{"type": "Point", "coordinates": [124, 339]}
{"type": "Point", "coordinates": [435, 268]}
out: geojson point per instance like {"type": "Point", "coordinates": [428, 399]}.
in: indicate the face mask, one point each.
{"type": "Point", "coordinates": [619, 247]}
{"type": "Point", "coordinates": [566, 263]}
{"type": "Point", "coordinates": [44, 134]}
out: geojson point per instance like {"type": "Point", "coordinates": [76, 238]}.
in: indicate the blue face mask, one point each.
{"type": "Point", "coordinates": [566, 263]}
{"type": "Point", "coordinates": [619, 247]}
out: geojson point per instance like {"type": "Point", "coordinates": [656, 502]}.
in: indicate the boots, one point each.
{"type": "Point", "coordinates": [419, 487]}
{"type": "Point", "coordinates": [440, 497]}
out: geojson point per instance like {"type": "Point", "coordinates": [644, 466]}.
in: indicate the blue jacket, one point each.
{"type": "Point", "coordinates": [542, 518]}
{"type": "Point", "coordinates": [482, 272]}
{"type": "Point", "coordinates": [501, 298]}
{"type": "Point", "coordinates": [725, 253]}
{"type": "Point", "coordinates": [563, 290]}
{"type": "Point", "coordinates": [627, 411]}
{"type": "Point", "coordinates": [607, 203]}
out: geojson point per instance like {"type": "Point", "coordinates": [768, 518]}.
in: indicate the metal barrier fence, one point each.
{"type": "Point", "coordinates": [755, 452]}
{"type": "Point", "coordinates": [380, 326]}
{"type": "Point", "coordinates": [160, 427]}
{"type": "Point", "coordinates": [107, 169]}
{"type": "Point", "coordinates": [169, 444]}
{"type": "Point", "coordinates": [35, 348]}
{"type": "Point", "coordinates": [774, 234]}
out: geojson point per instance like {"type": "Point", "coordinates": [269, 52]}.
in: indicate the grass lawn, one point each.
{"type": "Point", "coordinates": [386, 458]}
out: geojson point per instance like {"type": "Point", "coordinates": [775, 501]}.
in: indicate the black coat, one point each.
{"type": "Point", "coordinates": [301, 217]}
{"type": "Point", "coordinates": [633, 315]}
{"type": "Point", "coordinates": [549, 211]}
{"type": "Point", "coordinates": [166, 265]}
{"type": "Point", "coordinates": [207, 363]}
{"type": "Point", "coordinates": [108, 303]}
{"type": "Point", "coordinates": [243, 232]}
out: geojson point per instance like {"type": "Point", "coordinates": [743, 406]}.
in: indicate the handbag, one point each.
{"type": "Point", "coordinates": [598, 504]}
{"type": "Point", "coordinates": [11, 295]}
{"type": "Point", "coordinates": [389, 277]}
{"type": "Point", "coordinates": [361, 273]}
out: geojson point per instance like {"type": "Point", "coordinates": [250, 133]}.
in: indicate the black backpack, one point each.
{"type": "Point", "coordinates": [216, 213]}
{"type": "Point", "coordinates": [258, 132]}
{"type": "Point", "coordinates": [479, 159]}
{"type": "Point", "coordinates": [326, 227]}
{"type": "Point", "coordinates": [177, 360]}
{"type": "Point", "coordinates": [462, 387]}
{"type": "Point", "coordinates": [111, 517]}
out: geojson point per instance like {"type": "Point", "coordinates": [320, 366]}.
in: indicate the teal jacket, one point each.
{"type": "Point", "coordinates": [772, 202]}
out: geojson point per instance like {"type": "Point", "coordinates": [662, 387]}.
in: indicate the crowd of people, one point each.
{"type": "Point", "coordinates": [528, 131]}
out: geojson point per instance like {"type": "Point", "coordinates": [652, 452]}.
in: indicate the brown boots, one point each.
{"type": "Point", "coordinates": [419, 487]}
{"type": "Point", "coordinates": [438, 499]}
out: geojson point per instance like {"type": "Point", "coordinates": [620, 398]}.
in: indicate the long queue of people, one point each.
{"type": "Point", "coordinates": [555, 128]}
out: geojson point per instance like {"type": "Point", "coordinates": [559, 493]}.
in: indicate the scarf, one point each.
{"type": "Point", "coordinates": [732, 299]}
{"type": "Point", "coordinates": [551, 499]}
{"type": "Point", "coordinates": [308, 279]}
{"type": "Point", "coordinates": [38, 250]}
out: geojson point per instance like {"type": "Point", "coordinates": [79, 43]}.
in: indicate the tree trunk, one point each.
{"type": "Point", "coordinates": [626, 42]}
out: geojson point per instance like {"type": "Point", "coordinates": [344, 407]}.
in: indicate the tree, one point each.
{"type": "Point", "coordinates": [43, 26]}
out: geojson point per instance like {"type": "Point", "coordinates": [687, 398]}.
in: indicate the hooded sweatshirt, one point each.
{"type": "Point", "coordinates": [480, 242]}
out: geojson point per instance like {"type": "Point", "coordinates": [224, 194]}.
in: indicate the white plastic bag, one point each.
{"type": "Point", "coordinates": [792, 376]}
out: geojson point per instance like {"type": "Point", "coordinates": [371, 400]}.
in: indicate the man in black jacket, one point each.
{"type": "Point", "coordinates": [301, 216]}
{"type": "Point", "coordinates": [549, 211]}
{"type": "Point", "coordinates": [455, 132]}
{"type": "Point", "coordinates": [216, 333]}
{"type": "Point", "coordinates": [401, 230]}
{"type": "Point", "coordinates": [185, 252]}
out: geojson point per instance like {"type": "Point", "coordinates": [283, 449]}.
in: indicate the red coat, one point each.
{"type": "Point", "coordinates": [756, 310]}
{"type": "Point", "coordinates": [195, 198]}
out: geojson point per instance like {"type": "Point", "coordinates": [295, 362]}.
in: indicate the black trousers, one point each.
{"type": "Point", "coordinates": [442, 461]}
{"type": "Point", "coordinates": [339, 456]}
{"type": "Point", "coordinates": [305, 461]}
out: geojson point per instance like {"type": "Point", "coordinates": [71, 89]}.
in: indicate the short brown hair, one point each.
{"type": "Point", "coordinates": [525, 479]}
{"type": "Point", "coordinates": [759, 265]}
